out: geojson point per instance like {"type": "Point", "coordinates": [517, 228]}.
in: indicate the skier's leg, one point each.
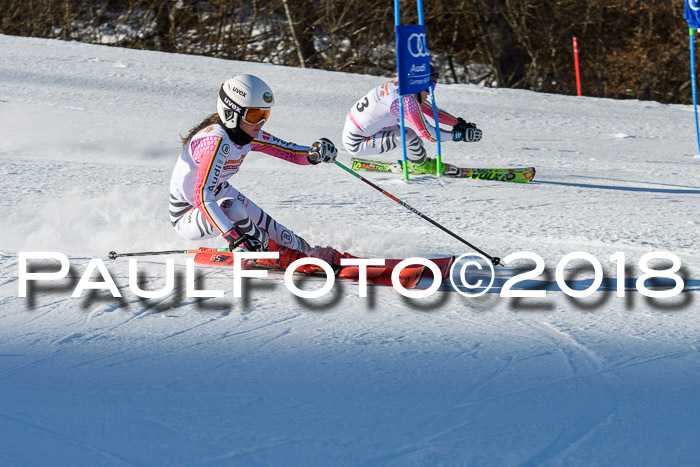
{"type": "Point", "coordinates": [362, 145]}
{"type": "Point", "coordinates": [192, 225]}
{"type": "Point", "coordinates": [249, 217]}
{"type": "Point", "coordinates": [378, 143]}
{"type": "Point", "coordinates": [383, 141]}
{"type": "Point", "coordinates": [418, 159]}
{"type": "Point", "coordinates": [251, 220]}
{"type": "Point", "coordinates": [415, 152]}
{"type": "Point", "coordinates": [246, 215]}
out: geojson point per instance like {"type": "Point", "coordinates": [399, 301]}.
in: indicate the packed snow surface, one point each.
{"type": "Point", "coordinates": [89, 137]}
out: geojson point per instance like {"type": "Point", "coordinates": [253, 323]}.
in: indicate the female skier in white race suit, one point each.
{"type": "Point", "coordinates": [372, 125]}
{"type": "Point", "coordinates": [202, 202]}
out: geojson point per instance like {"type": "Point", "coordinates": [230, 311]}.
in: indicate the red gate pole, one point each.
{"type": "Point", "coordinates": [578, 74]}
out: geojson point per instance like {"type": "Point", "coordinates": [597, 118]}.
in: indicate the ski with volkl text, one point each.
{"type": "Point", "coordinates": [515, 175]}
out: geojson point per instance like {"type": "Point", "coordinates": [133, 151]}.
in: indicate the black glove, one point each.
{"type": "Point", "coordinates": [322, 150]}
{"type": "Point", "coordinates": [464, 131]}
{"type": "Point", "coordinates": [233, 237]}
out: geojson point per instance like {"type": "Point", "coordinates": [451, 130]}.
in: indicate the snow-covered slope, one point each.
{"type": "Point", "coordinates": [90, 135]}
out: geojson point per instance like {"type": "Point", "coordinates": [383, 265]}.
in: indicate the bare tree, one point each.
{"type": "Point", "coordinates": [628, 49]}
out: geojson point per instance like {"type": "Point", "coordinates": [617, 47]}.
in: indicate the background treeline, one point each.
{"type": "Point", "coordinates": [628, 49]}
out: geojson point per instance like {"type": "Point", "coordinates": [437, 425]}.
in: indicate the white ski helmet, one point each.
{"type": "Point", "coordinates": [241, 93]}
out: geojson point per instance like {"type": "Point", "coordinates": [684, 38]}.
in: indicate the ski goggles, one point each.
{"type": "Point", "coordinates": [255, 115]}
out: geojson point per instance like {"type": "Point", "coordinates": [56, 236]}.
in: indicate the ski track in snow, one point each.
{"type": "Point", "coordinates": [91, 135]}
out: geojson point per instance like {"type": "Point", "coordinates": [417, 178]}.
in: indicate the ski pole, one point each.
{"type": "Point", "coordinates": [495, 260]}
{"type": "Point", "coordinates": [239, 240]}
{"type": "Point", "coordinates": [115, 255]}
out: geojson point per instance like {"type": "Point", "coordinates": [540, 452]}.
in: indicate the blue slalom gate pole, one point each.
{"type": "Point", "coordinates": [419, 3]}
{"type": "Point", "coordinates": [691, 34]}
{"type": "Point", "coordinates": [432, 99]}
{"type": "Point", "coordinates": [437, 132]}
{"type": "Point", "coordinates": [397, 22]}
{"type": "Point", "coordinates": [412, 68]}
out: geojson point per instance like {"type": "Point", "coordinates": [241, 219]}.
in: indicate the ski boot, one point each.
{"type": "Point", "coordinates": [288, 256]}
{"type": "Point", "coordinates": [328, 254]}
{"type": "Point", "coordinates": [427, 166]}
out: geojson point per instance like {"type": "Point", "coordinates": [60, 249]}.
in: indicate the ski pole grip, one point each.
{"type": "Point", "coordinates": [237, 242]}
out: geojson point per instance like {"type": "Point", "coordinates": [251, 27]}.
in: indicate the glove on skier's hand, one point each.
{"type": "Point", "coordinates": [464, 131]}
{"type": "Point", "coordinates": [250, 243]}
{"type": "Point", "coordinates": [322, 150]}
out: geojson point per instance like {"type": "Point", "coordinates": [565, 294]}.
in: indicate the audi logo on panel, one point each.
{"type": "Point", "coordinates": [418, 45]}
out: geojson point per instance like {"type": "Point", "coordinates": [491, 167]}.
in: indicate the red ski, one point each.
{"type": "Point", "coordinates": [409, 277]}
